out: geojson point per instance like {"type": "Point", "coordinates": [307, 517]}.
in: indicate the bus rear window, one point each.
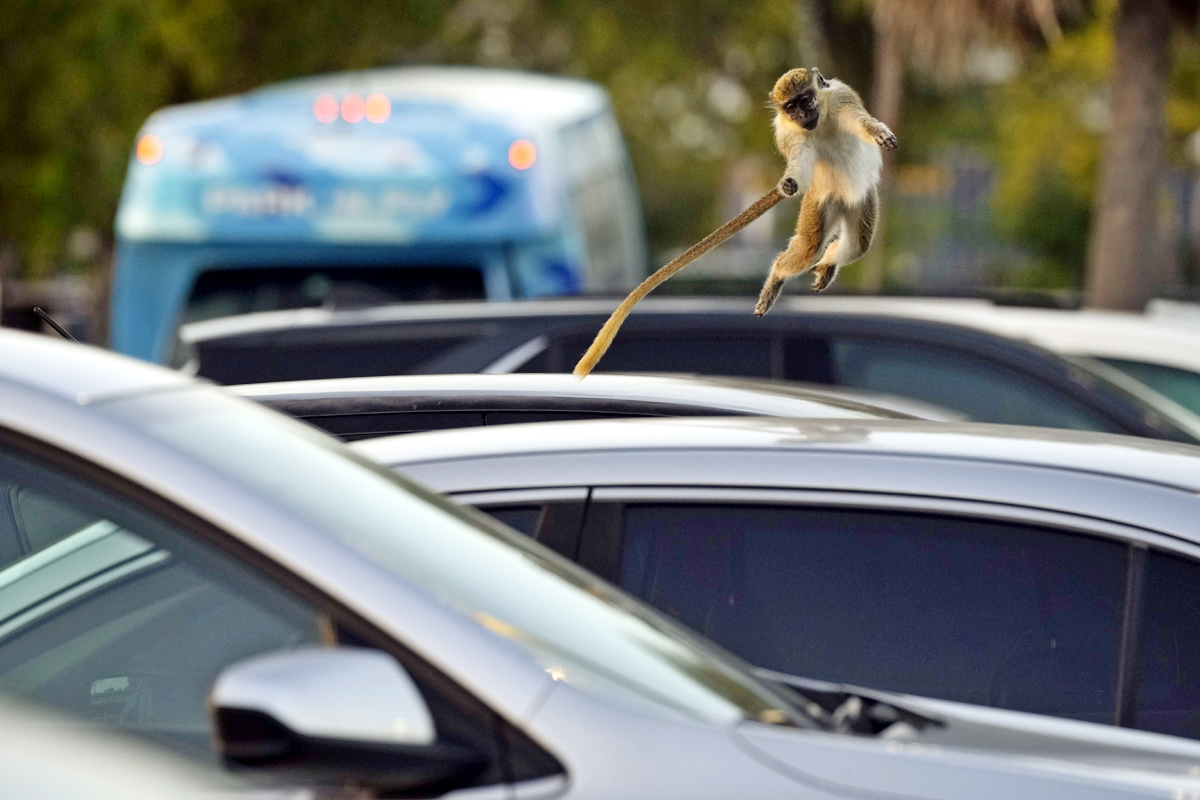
{"type": "Point", "coordinates": [230, 291]}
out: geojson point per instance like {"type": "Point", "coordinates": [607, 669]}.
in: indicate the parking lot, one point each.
{"type": "Point", "coordinates": [334, 466]}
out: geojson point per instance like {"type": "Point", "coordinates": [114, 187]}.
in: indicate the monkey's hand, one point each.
{"type": "Point", "coordinates": [886, 139]}
{"type": "Point", "coordinates": [788, 187]}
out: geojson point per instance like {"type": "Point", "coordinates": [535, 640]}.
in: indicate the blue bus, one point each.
{"type": "Point", "coordinates": [366, 188]}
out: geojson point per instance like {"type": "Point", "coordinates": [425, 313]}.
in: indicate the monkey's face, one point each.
{"type": "Point", "coordinates": [795, 96]}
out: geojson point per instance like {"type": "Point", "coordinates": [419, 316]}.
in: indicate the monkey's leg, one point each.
{"type": "Point", "coordinates": [826, 270]}
{"type": "Point", "coordinates": [858, 231]}
{"type": "Point", "coordinates": [799, 255]}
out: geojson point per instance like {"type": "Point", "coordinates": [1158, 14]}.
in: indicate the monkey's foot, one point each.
{"type": "Point", "coordinates": [887, 140]}
{"type": "Point", "coordinates": [770, 294]}
{"type": "Point", "coordinates": [823, 275]}
{"type": "Point", "coordinates": [788, 187]}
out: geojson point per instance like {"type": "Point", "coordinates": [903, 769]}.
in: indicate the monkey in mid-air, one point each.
{"type": "Point", "coordinates": [832, 146]}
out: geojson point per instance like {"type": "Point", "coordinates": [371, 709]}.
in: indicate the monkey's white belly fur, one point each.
{"type": "Point", "coordinates": [846, 169]}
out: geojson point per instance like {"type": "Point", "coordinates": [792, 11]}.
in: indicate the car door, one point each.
{"type": "Point", "coordinates": [120, 608]}
{"type": "Point", "coordinates": [975, 602]}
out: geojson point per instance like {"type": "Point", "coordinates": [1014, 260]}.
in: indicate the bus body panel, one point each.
{"type": "Point", "coordinates": [235, 204]}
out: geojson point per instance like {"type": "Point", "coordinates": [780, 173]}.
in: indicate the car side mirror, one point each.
{"type": "Point", "coordinates": [335, 715]}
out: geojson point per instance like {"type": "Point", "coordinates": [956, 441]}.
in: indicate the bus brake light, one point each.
{"type": "Point", "coordinates": [353, 108]}
{"type": "Point", "coordinates": [325, 108]}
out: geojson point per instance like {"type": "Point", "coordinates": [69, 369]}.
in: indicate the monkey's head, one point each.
{"type": "Point", "coordinates": [795, 96]}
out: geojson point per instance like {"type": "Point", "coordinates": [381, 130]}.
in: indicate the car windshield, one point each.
{"type": "Point", "coordinates": [580, 629]}
{"type": "Point", "coordinates": [1181, 385]}
{"type": "Point", "coordinates": [1158, 410]}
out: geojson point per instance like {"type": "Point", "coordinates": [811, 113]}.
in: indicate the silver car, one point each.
{"type": "Point", "coordinates": [170, 550]}
{"type": "Point", "coordinates": [1041, 571]}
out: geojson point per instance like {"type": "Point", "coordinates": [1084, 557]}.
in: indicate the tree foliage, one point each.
{"type": "Point", "coordinates": [688, 80]}
{"type": "Point", "coordinates": [79, 78]}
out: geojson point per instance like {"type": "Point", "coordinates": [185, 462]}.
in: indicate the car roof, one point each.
{"type": "Point", "coordinates": [1147, 460]}
{"type": "Point", "coordinates": [271, 321]}
{"type": "Point", "coordinates": [741, 396]}
{"type": "Point", "coordinates": [72, 372]}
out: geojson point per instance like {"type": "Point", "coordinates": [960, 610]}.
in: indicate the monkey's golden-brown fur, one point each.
{"type": "Point", "coordinates": [832, 147]}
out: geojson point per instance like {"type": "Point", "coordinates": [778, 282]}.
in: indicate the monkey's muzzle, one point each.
{"type": "Point", "coordinates": [806, 112]}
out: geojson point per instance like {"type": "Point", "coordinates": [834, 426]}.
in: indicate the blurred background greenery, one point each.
{"type": "Point", "coordinates": [1004, 109]}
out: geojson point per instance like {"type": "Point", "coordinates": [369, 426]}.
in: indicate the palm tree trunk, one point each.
{"type": "Point", "coordinates": [1123, 240]}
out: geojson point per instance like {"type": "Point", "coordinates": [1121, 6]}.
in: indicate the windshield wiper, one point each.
{"type": "Point", "coordinates": [844, 709]}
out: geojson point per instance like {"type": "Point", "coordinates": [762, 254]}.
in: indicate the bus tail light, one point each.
{"type": "Point", "coordinates": [149, 149]}
{"type": "Point", "coordinates": [522, 154]}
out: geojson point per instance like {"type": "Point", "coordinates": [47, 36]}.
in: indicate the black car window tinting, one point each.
{"type": "Point", "coordinates": [522, 518]}
{"type": "Point", "coordinates": [1167, 694]}
{"type": "Point", "coordinates": [706, 353]}
{"type": "Point", "coordinates": [961, 609]}
{"type": "Point", "coordinates": [984, 391]}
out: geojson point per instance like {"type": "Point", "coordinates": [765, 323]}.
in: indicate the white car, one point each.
{"type": "Point", "coordinates": [169, 550]}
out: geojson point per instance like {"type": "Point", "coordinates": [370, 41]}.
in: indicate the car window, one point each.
{"type": "Point", "coordinates": [713, 353]}
{"type": "Point", "coordinates": [114, 616]}
{"type": "Point", "coordinates": [42, 519]}
{"type": "Point", "coordinates": [521, 518]}
{"type": "Point", "coordinates": [1167, 697]}
{"type": "Point", "coordinates": [984, 391]}
{"type": "Point", "coordinates": [960, 609]}
{"type": "Point", "coordinates": [1180, 385]}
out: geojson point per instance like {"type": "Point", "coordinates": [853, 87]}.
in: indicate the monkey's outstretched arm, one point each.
{"type": "Point", "coordinates": [875, 129]}
{"type": "Point", "coordinates": [609, 330]}
{"type": "Point", "coordinates": [800, 168]}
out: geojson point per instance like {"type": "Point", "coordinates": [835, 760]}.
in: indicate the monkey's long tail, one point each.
{"type": "Point", "coordinates": [609, 330]}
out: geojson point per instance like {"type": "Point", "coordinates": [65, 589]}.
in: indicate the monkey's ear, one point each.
{"type": "Point", "coordinates": [821, 82]}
